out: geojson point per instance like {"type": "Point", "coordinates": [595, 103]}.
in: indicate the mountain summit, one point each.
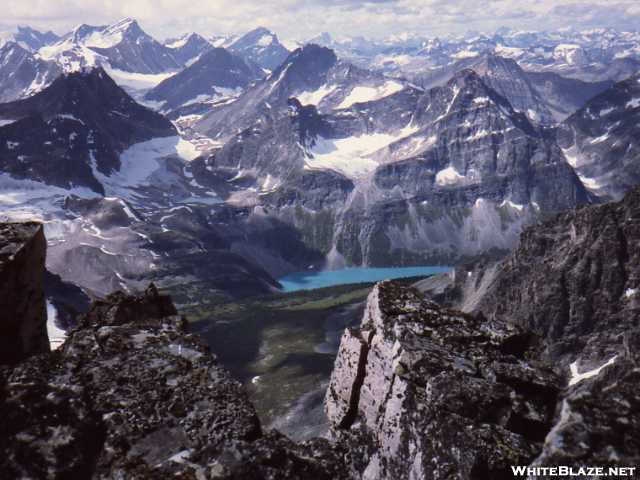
{"type": "Point", "coordinates": [262, 47]}
{"type": "Point", "coordinates": [78, 125]}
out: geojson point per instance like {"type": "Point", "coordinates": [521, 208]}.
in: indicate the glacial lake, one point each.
{"type": "Point", "coordinates": [312, 279]}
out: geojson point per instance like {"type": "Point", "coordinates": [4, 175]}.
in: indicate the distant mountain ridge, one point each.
{"type": "Point", "coordinates": [22, 73]}
{"type": "Point", "coordinates": [28, 38]}
{"type": "Point", "coordinates": [217, 74]}
{"type": "Point", "coordinates": [73, 128]}
{"type": "Point", "coordinates": [260, 46]}
{"type": "Point", "coordinates": [122, 45]}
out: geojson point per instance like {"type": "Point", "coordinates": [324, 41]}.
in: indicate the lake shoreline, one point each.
{"type": "Point", "coordinates": [315, 279]}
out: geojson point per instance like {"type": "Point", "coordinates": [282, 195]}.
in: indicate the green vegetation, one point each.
{"type": "Point", "coordinates": [270, 342]}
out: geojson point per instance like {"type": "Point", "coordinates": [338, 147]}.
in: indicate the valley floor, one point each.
{"type": "Point", "coordinates": [282, 347]}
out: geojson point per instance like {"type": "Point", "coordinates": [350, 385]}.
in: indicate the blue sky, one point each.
{"type": "Point", "coordinates": [302, 19]}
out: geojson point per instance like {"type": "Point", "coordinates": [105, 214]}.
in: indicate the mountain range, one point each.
{"type": "Point", "coordinates": [213, 166]}
{"type": "Point", "coordinates": [361, 166]}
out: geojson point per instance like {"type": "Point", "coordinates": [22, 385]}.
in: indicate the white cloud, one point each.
{"type": "Point", "coordinates": [303, 19]}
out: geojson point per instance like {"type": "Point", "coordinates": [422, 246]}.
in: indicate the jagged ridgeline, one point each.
{"type": "Point", "coordinates": [413, 393]}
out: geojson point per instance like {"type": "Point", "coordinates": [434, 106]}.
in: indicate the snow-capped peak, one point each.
{"type": "Point", "coordinates": [124, 25]}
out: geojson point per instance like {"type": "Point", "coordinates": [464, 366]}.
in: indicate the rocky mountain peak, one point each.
{"type": "Point", "coordinates": [82, 121]}
{"type": "Point", "coordinates": [467, 77]}
{"type": "Point", "coordinates": [307, 66]}
{"type": "Point", "coordinates": [126, 24]}
{"type": "Point", "coordinates": [262, 47]}
{"type": "Point", "coordinates": [34, 39]}
{"type": "Point", "coordinates": [258, 36]}
{"type": "Point", "coordinates": [78, 91]}
{"type": "Point", "coordinates": [215, 76]}
{"type": "Point", "coordinates": [82, 32]}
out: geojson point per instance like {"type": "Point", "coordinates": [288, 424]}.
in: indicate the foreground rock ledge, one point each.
{"type": "Point", "coordinates": [131, 394]}
{"type": "Point", "coordinates": [423, 392]}
{"type": "Point", "coordinates": [436, 393]}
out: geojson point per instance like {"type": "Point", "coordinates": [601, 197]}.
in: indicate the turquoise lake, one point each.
{"type": "Point", "coordinates": [312, 279]}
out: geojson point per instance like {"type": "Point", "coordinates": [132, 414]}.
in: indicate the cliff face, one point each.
{"type": "Point", "coordinates": [426, 392]}
{"type": "Point", "coordinates": [23, 316]}
{"type": "Point", "coordinates": [417, 386]}
{"type": "Point", "coordinates": [423, 392]}
{"type": "Point", "coordinates": [574, 280]}
{"type": "Point", "coordinates": [132, 395]}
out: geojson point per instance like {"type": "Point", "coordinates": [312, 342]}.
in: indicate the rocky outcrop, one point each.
{"type": "Point", "coordinates": [575, 280]}
{"type": "Point", "coordinates": [131, 394]}
{"type": "Point", "coordinates": [23, 316]}
{"type": "Point", "coordinates": [597, 417]}
{"type": "Point", "coordinates": [426, 392]}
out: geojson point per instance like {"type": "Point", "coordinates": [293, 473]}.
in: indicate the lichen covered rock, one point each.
{"type": "Point", "coordinates": [435, 393]}
{"type": "Point", "coordinates": [131, 394]}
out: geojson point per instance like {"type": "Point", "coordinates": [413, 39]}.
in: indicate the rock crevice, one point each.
{"type": "Point", "coordinates": [444, 394]}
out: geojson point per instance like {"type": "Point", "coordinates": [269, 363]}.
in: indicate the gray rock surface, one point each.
{"type": "Point", "coordinates": [575, 280]}
{"type": "Point", "coordinates": [435, 393]}
{"type": "Point", "coordinates": [23, 316]}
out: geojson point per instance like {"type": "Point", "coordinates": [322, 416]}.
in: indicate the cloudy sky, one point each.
{"type": "Point", "coordinates": [302, 19]}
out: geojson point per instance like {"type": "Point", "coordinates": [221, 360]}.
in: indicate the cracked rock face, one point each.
{"type": "Point", "coordinates": [587, 295]}
{"type": "Point", "coordinates": [426, 392]}
{"type": "Point", "coordinates": [597, 420]}
{"type": "Point", "coordinates": [131, 394]}
{"type": "Point", "coordinates": [23, 315]}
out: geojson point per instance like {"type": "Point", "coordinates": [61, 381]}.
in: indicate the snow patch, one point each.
{"type": "Point", "coordinates": [578, 377]}
{"type": "Point", "coordinates": [137, 81]}
{"type": "Point", "coordinates": [362, 94]}
{"type": "Point", "coordinates": [448, 176]}
{"type": "Point", "coordinates": [56, 334]}
{"type": "Point", "coordinates": [265, 40]}
{"type": "Point", "coordinates": [464, 54]}
{"type": "Point", "coordinates": [316, 96]}
{"type": "Point", "coordinates": [140, 161]}
{"type": "Point", "coordinates": [633, 103]}
{"type": "Point", "coordinates": [352, 155]}
{"type": "Point", "coordinates": [515, 206]}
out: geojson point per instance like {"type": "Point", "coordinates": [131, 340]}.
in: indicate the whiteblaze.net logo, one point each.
{"type": "Point", "coordinates": [564, 471]}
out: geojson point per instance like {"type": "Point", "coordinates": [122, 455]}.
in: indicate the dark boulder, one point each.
{"type": "Point", "coordinates": [23, 315]}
